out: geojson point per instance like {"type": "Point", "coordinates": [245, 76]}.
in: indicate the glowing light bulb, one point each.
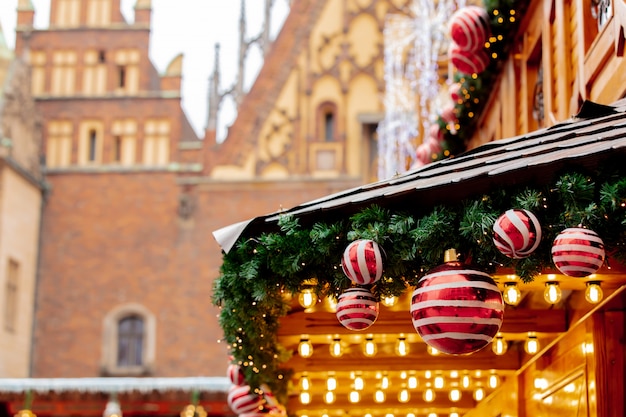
{"type": "Point", "coordinates": [512, 294]}
{"type": "Point", "coordinates": [379, 396]}
{"type": "Point", "coordinates": [354, 397]}
{"type": "Point", "coordinates": [306, 298]}
{"type": "Point", "coordinates": [439, 382]}
{"type": "Point", "coordinates": [305, 397]}
{"type": "Point", "coordinates": [454, 414]}
{"type": "Point", "coordinates": [305, 348]}
{"type": "Point", "coordinates": [429, 395]}
{"type": "Point", "coordinates": [412, 382]}
{"type": "Point", "coordinates": [499, 346]}
{"type": "Point", "coordinates": [531, 346]}
{"type": "Point", "coordinates": [384, 382]}
{"type": "Point", "coordinates": [404, 396]}
{"type": "Point", "coordinates": [552, 292]}
{"type": "Point", "coordinates": [359, 384]}
{"type": "Point", "coordinates": [479, 394]}
{"type": "Point", "coordinates": [389, 301]}
{"type": "Point", "coordinates": [454, 395]}
{"type": "Point", "coordinates": [331, 383]}
{"type": "Point", "coordinates": [593, 292]}
{"type": "Point", "coordinates": [335, 348]}
{"type": "Point", "coordinates": [465, 381]}
{"type": "Point", "coordinates": [369, 348]}
{"type": "Point", "coordinates": [329, 397]}
{"type": "Point", "coordinates": [402, 347]}
{"type": "Point", "coordinates": [494, 381]}
{"type": "Point", "coordinates": [305, 382]}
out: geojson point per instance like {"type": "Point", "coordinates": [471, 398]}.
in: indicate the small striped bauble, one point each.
{"type": "Point", "coordinates": [517, 233]}
{"type": "Point", "coordinates": [362, 262]}
{"type": "Point", "coordinates": [235, 374]}
{"type": "Point", "coordinates": [357, 309]}
{"type": "Point", "coordinates": [578, 252]}
{"type": "Point", "coordinates": [466, 62]}
{"type": "Point", "coordinates": [469, 28]}
{"type": "Point", "coordinates": [457, 310]}
{"type": "Point", "coordinates": [242, 400]}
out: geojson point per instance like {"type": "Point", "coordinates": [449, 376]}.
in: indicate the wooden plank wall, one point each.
{"type": "Point", "coordinates": [578, 62]}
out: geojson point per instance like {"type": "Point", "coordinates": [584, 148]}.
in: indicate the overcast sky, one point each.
{"type": "Point", "coordinates": [191, 27]}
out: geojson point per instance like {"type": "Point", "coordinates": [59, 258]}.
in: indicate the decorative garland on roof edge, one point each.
{"type": "Point", "coordinates": [260, 274]}
{"type": "Point", "coordinates": [474, 91]}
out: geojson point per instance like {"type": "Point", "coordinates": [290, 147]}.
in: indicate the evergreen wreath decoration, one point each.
{"type": "Point", "coordinates": [259, 273]}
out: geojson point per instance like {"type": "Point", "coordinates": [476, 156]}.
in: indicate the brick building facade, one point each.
{"type": "Point", "coordinates": [134, 194]}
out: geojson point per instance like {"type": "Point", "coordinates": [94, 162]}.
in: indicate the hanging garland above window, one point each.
{"type": "Point", "coordinates": [259, 273]}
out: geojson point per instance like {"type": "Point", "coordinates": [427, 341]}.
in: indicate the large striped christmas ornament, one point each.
{"type": "Point", "coordinates": [362, 262]}
{"type": "Point", "coordinates": [469, 28]}
{"type": "Point", "coordinates": [357, 308]}
{"type": "Point", "coordinates": [241, 399]}
{"type": "Point", "coordinates": [578, 252]}
{"type": "Point", "coordinates": [517, 233]}
{"type": "Point", "coordinates": [473, 62]}
{"type": "Point", "coordinates": [235, 374]}
{"type": "Point", "coordinates": [457, 310]}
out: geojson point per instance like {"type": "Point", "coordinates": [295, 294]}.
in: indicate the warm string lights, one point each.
{"type": "Point", "coordinates": [434, 383]}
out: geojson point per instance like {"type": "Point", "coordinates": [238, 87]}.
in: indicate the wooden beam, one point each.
{"type": "Point", "coordinates": [321, 361]}
{"type": "Point", "coordinates": [395, 322]}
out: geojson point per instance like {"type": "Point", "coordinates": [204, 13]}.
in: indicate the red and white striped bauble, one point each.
{"type": "Point", "coordinates": [242, 400]}
{"type": "Point", "coordinates": [357, 309]}
{"type": "Point", "coordinates": [466, 62]}
{"type": "Point", "coordinates": [362, 262]}
{"type": "Point", "coordinates": [469, 28]}
{"type": "Point", "coordinates": [517, 233]}
{"type": "Point", "coordinates": [235, 374]}
{"type": "Point", "coordinates": [578, 252]}
{"type": "Point", "coordinates": [457, 310]}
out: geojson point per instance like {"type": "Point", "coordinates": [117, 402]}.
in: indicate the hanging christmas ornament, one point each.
{"type": "Point", "coordinates": [578, 252]}
{"type": "Point", "coordinates": [242, 400]}
{"type": "Point", "coordinates": [517, 233]}
{"type": "Point", "coordinates": [455, 92]}
{"type": "Point", "coordinates": [357, 309]}
{"type": "Point", "coordinates": [455, 309]}
{"type": "Point", "coordinates": [362, 262]}
{"type": "Point", "coordinates": [235, 374]}
{"type": "Point", "coordinates": [469, 28]}
{"type": "Point", "coordinates": [466, 62]}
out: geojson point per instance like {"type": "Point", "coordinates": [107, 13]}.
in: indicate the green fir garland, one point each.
{"type": "Point", "coordinates": [258, 272]}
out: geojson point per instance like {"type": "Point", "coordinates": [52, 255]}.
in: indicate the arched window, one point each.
{"type": "Point", "coordinates": [130, 335]}
{"type": "Point", "coordinates": [128, 343]}
{"type": "Point", "coordinates": [327, 122]}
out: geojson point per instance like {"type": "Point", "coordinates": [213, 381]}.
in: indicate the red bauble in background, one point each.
{"type": "Point", "coordinates": [357, 309]}
{"type": "Point", "coordinates": [456, 309]}
{"type": "Point", "coordinates": [578, 252]}
{"type": "Point", "coordinates": [469, 28]}
{"type": "Point", "coordinates": [473, 62]}
{"type": "Point", "coordinates": [241, 399]}
{"type": "Point", "coordinates": [362, 262]}
{"type": "Point", "coordinates": [235, 374]}
{"type": "Point", "coordinates": [517, 233]}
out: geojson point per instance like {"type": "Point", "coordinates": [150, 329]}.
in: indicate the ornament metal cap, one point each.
{"type": "Point", "coordinates": [450, 255]}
